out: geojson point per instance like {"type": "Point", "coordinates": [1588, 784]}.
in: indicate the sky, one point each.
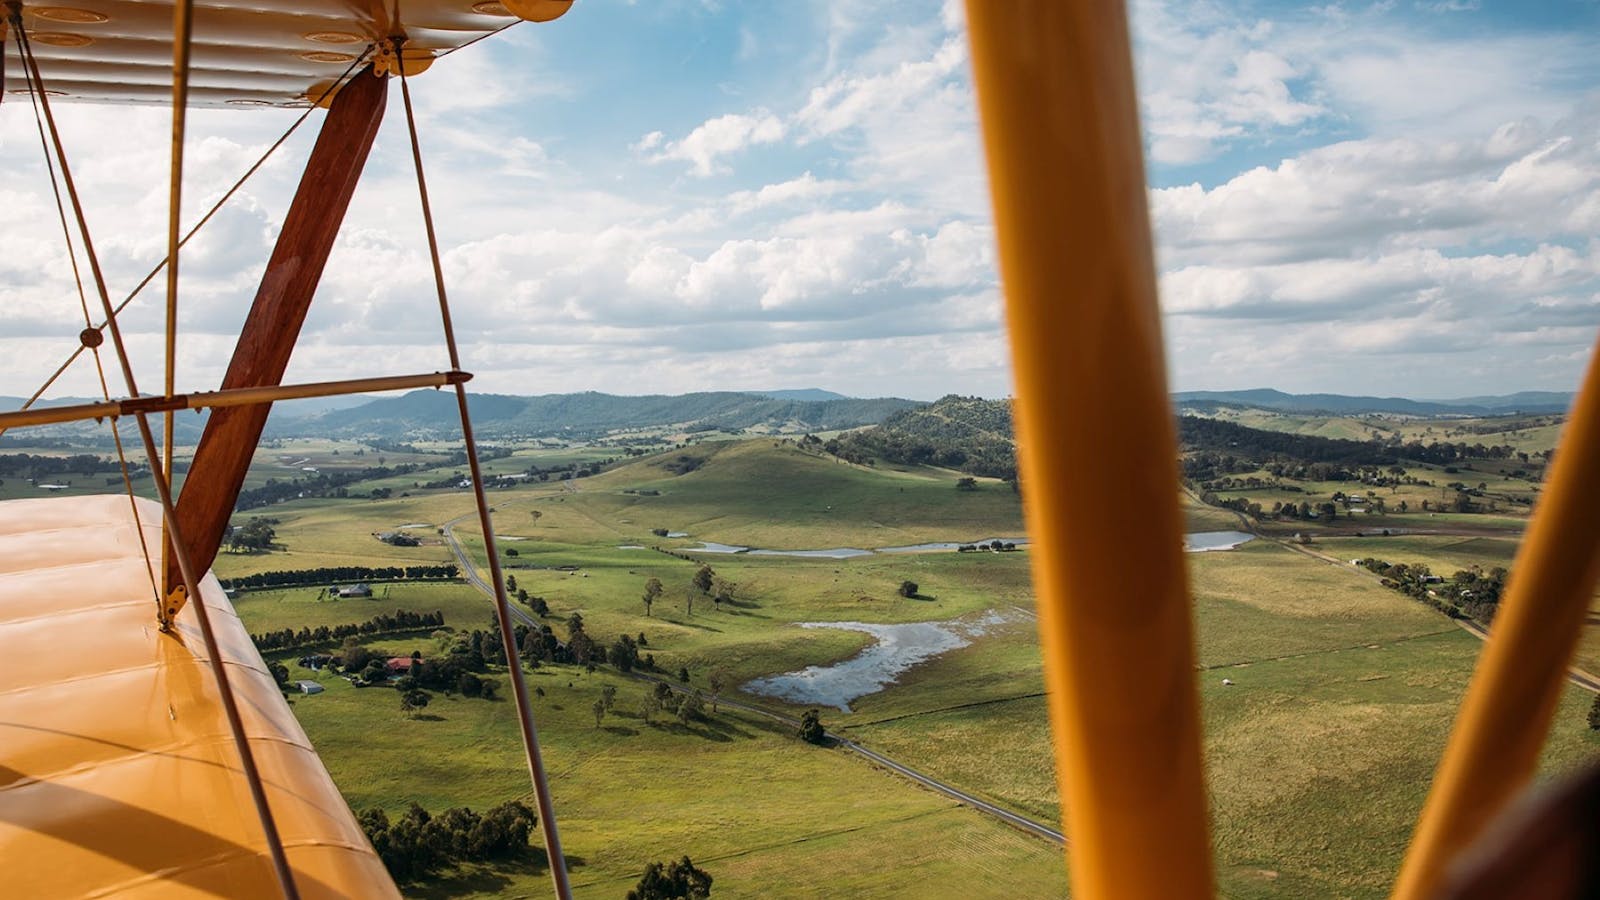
{"type": "Point", "coordinates": [1399, 198]}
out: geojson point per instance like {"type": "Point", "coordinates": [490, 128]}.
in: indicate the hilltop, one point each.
{"type": "Point", "coordinates": [971, 434]}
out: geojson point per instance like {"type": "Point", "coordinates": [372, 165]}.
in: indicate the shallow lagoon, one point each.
{"type": "Point", "coordinates": [896, 649]}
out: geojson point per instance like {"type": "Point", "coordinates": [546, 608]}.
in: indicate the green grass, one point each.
{"type": "Point", "coordinates": [766, 814]}
{"type": "Point", "coordinates": [462, 605]}
{"type": "Point", "coordinates": [1317, 755]}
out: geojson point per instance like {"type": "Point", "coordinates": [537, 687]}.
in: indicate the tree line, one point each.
{"type": "Point", "coordinates": [331, 574]}
{"type": "Point", "coordinates": [399, 620]}
{"type": "Point", "coordinates": [31, 465]}
{"type": "Point", "coordinates": [1228, 440]}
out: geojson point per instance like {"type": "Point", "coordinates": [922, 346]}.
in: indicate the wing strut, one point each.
{"type": "Point", "coordinates": [269, 334]}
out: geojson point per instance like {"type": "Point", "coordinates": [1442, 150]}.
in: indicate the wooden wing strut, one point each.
{"type": "Point", "coordinates": [269, 334]}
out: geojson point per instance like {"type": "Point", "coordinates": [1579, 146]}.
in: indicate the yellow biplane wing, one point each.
{"type": "Point", "coordinates": [119, 774]}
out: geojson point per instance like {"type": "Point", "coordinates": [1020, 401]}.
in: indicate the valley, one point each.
{"type": "Point", "coordinates": [1326, 694]}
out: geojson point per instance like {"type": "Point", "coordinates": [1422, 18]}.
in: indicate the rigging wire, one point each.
{"type": "Point", "coordinates": [215, 208]}
{"type": "Point", "coordinates": [84, 339]}
{"type": "Point", "coordinates": [530, 737]}
{"type": "Point", "coordinates": [169, 513]}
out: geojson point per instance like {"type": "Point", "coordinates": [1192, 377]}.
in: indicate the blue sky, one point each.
{"type": "Point", "coordinates": [1392, 198]}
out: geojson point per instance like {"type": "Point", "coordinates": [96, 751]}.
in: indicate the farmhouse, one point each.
{"type": "Point", "coordinates": [354, 590]}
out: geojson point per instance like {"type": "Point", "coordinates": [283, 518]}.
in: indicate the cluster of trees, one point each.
{"type": "Point", "coordinates": [539, 646]}
{"type": "Point", "coordinates": [909, 439]}
{"type": "Point", "coordinates": [255, 534]}
{"type": "Point", "coordinates": [1197, 433]}
{"type": "Point", "coordinates": [680, 880]}
{"type": "Point", "coordinates": [384, 623]}
{"type": "Point", "coordinates": [1215, 449]}
{"type": "Point", "coordinates": [418, 843]}
{"type": "Point", "coordinates": [333, 574]}
{"type": "Point", "coordinates": [704, 583]}
{"type": "Point", "coordinates": [685, 706]}
{"type": "Point", "coordinates": [1469, 593]}
{"type": "Point", "coordinates": [459, 672]}
{"type": "Point", "coordinates": [682, 464]}
{"type": "Point", "coordinates": [996, 546]}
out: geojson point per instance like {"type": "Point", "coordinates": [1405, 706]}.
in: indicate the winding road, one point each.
{"type": "Point", "coordinates": [1023, 823]}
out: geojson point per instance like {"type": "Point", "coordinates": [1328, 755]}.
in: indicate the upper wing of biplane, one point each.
{"type": "Point", "coordinates": [244, 54]}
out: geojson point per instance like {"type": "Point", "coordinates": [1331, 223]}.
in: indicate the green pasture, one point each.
{"type": "Point", "coordinates": [766, 814]}
{"type": "Point", "coordinates": [1319, 753]}
{"type": "Point", "coordinates": [308, 607]}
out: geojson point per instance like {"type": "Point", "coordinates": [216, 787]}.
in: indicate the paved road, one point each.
{"type": "Point", "coordinates": [1024, 823]}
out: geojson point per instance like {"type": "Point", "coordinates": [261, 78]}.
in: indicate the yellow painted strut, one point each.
{"type": "Point", "coordinates": [1494, 747]}
{"type": "Point", "coordinates": [1096, 442]}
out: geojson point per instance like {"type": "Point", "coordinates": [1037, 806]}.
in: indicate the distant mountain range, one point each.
{"type": "Point", "coordinates": [432, 414]}
{"type": "Point", "coordinates": [422, 414]}
{"type": "Point", "coordinates": [1339, 404]}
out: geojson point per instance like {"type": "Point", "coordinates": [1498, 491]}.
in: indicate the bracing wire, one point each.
{"type": "Point", "coordinates": [169, 513]}
{"type": "Point", "coordinates": [530, 737]}
{"type": "Point", "coordinates": [83, 303]}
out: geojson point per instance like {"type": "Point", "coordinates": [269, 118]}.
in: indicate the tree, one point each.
{"type": "Point", "coordinates": [535, 514]}
{"type": "Point", "coordinates": [652, 590]}
{"type": "Point", "coordinates": [413, 700]}
{"type": "Point", "coordinates": [377, 670]}
{"type": "Point", "coordinates": [723, 593]}
{"type": "Point", "coordinates": [811, 730]}
{"type": "Point", "coordinates": [608, 696]}
{"type": "Point", "coordinates": [599, 712]}
{"type": "Point", "coordinates": [718, 681]}
{"type": "Point", "coordinates": [1594, 714]}
{"type": "Point", "coordinates": [683, 674]}
{"type": "Point", "coordinates": [691, 706]}
{"type": "Point", "coordinates": [511, 552]}
{"type": "Point", "coordinates": [511, 584]}
{"type": "Point", "coordinates": [702, 579]}
{"type": "Point", "coordinates": [681, 880]}
{"type": "Point", "coordinates": [966, 484]}
{"type": "Point", "coordinates": [908, 589]}
{"type": "Point", "coordinates": [624, 654]}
